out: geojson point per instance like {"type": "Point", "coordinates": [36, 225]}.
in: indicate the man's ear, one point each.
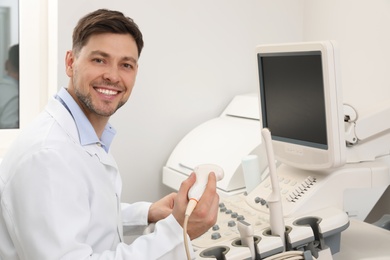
{"type": "Point", "coordinates": [69, 60]}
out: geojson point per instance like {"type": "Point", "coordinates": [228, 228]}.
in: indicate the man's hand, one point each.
{"type": "Point", "coordinates": [162, 208]}
{"type": "Point", "coordinates": [205, 213]}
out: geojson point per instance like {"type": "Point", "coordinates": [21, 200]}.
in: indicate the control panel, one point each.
{"type": "Point", "coordinates": [315, 230]}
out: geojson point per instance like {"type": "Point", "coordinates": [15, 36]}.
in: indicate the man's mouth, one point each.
{"type": "Point", "coordinates": [108, 92]}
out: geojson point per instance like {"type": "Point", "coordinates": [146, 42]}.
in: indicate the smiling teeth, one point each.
{"type": "Point", "coordinates": [107, 92]}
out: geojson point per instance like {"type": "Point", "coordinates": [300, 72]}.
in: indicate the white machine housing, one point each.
{"type": "Point", "coordinates": [224, 141]}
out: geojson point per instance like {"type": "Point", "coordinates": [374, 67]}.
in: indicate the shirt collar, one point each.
{"type": "Point", "coordinates": [86, 131]}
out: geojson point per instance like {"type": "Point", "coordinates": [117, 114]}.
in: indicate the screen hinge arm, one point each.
{"type": "Point", "coordinates": [362, 128]}
{"type": "Point", "coordinates": [350, 117]}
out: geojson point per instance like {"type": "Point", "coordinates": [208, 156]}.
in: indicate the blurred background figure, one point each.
{"type": "Point", "coordinates": [9, 91]}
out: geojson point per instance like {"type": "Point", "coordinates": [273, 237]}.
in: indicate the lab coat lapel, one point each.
{"type": "Point", "coordinates": [66, 121]}
{"type": "Point", "coordinates": [104, 158]}
{"type": "Point", "coordinates": [63, 118]}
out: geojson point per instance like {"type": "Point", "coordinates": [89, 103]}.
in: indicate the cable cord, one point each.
{"type": "Point", "coordinates": [190, 207]}
{"type": "Point", "coordinates": [185, 236]}
{"type": "Point", "coordinates": [289, 255]}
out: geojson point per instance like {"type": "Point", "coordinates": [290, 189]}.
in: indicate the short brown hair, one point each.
{"type": "Point", "coordinates": [105, 21]}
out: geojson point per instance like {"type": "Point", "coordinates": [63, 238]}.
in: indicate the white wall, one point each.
{"type": "Point", "coordinates": [198, 55]}
{"type": "Point", "coordinates": [361, 29]}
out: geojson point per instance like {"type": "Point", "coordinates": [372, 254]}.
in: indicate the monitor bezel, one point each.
{"type": "Point", "coordinates": [299, 154]}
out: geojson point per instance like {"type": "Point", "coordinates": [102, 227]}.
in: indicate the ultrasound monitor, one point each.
{"type": "Point", "coordinates": [301, 103]}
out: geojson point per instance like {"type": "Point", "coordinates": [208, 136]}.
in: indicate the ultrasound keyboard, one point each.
{"type": "Point", "coordinates": [317, 230]}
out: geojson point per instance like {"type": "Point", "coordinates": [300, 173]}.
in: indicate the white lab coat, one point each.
{"type": "Point", "coordinates": [68, 207]}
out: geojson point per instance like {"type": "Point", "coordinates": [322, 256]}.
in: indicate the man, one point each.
{"type": "Point", "coordinates": [9, 91]}
{"type": "Point", "coordinates": [60, 186]}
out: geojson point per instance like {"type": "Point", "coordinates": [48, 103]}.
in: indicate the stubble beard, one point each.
{"type": "Point", "coordinates": [86, 100]}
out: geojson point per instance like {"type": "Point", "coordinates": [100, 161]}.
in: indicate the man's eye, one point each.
{"type": "Point", "coordinates": [128, 66]}
{"type": "Point", "coordinates": [97, 60]}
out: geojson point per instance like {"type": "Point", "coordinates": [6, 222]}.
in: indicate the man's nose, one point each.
{"type": "Point", "coordinates": [112, 74]}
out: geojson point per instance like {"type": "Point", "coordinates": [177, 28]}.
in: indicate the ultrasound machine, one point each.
{"type": "Point", "coordinates": [299, 163]}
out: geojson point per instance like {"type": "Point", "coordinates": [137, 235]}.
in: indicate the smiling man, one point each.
{"type": "Point", "coordinates": [102, 80]}
{"type": "Point", "coordinates": [60, 187]}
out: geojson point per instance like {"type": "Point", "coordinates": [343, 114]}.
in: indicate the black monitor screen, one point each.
{"type": "Point", "coordinates": [292, 97]}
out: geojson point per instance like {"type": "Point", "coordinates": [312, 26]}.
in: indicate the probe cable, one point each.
{"type": "Point", "coordinates": [190, 207]}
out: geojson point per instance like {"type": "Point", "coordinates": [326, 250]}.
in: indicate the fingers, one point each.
{"type": "Point", "coordinates": [181, 199]}
{"type": "Point", "coordinates": [210, 196]}
{"type": "Point", "coordinates": [205, 214]}
{"type": "Point", "coordinates": [171, 199]}
{"type": "Point", "coordinates": [161, 208]}
{"type": "Point", "coordinates": [186, 185]}
{"type": "Point", "coordinates": [209, 191]}
{"type": "Point", "coordinates": [211, 188]}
